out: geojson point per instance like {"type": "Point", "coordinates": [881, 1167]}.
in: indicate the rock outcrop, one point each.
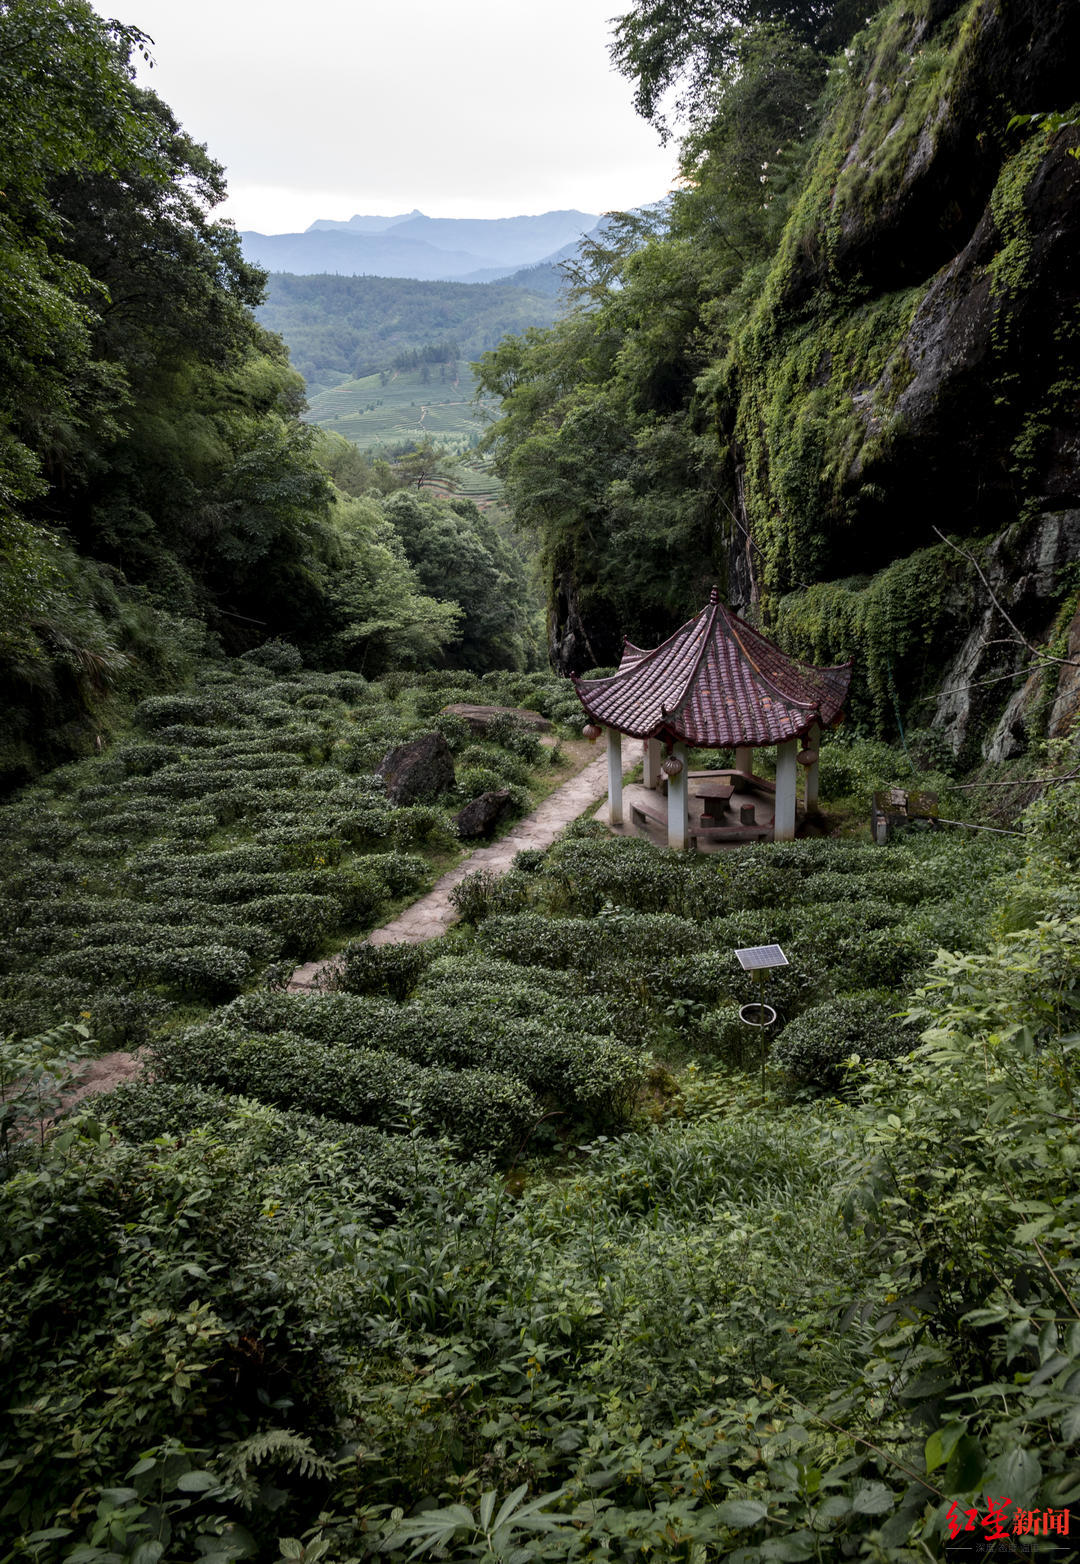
{"type": "Point", "coordinates": [480, 718]}
{"type": "Point", "coordinates": [931, 264]}
{"type": "Point", "coordinates": [481, 816]}
{"type": "Point", "coordinates": [419, 770]}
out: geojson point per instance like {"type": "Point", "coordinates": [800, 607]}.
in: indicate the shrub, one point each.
{"type": "Point", "coordinates": [530, 860]}
{"type": "Point", "coordinates": [477, 1110]}
{"type": "Point", "coordinates": [165, 711]}
{"type": "Point", "coordinates": [478, 895]}
{"type": "Point", "coordinates": [391, 1172]}
{"type": "Point", "coordinates": [422, 823]}
{"type": "Point", "coordinates": [371, 820]}
{"type": "Point", "coordinates": [473, 780]}
{"type": "Point", "coordinates": [511, 734]}
{"type": "Point", "coordinates": [403, 873]}
{"type": "Point", "coordinates": [722, 1033]}
{"type": "Point", "coordinates": [278, 656]}
{"type": "Point", "coordinates": [812, 1048]}
{"type": "Point", "coordinates": [394, 970]}
{"type": "Point", "coordinates": [516, 1029]}
{"type": "Point", "coordinates": [302, 921]}
{"type": "Point", "coordinates": [455, 730]}
{"type": "Point", "coordinates": [579, 943]}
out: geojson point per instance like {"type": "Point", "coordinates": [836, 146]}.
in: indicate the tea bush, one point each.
{"type": "Point", "coordinates": [583, 874]}
{"type": "Point", "coordinates": [545, 1047]}
{"type": "Point", "coordinates": [581, 943]}
{"type": "Point", "coordinates": [478, 1110]}
{"type": "Point", "coordinates": [277, 656]}
{"type": "Point", "coordinates": [388, 1171]}
{"type": "Point", "coordinates": [242, 802]}
{"type": "Point", "coordinates": [393, 970]}
{"type": "Point", "coordinates": [812, 1049]}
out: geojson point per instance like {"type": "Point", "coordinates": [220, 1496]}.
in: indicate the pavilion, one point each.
{"type": "Point", "coordinates": [717, 683]}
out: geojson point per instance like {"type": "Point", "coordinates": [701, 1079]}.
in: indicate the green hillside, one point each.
{"type": "Point", "coordinates": [395, 406]}
{"type": "Point", "coordinates": [343, 328]}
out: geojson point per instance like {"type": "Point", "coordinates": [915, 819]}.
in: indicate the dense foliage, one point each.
{"type": "Point", "coordinates": [302, 1301]}
{"type": "Point", "coordinates": [518, 1244]}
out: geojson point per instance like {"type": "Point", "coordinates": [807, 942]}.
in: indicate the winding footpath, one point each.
{"type": "Point", "coordinates": [433, 914]}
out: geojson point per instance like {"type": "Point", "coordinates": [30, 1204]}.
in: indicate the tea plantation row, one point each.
{"type": "Point", "coordinates": [237, 827]}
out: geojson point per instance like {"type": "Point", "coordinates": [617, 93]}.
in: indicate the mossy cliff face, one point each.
{"type": "Point", "coordinates": [912, 364]}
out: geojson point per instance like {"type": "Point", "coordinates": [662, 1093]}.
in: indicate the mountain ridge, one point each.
{"type": "Point", "coordinates": [431, 249]}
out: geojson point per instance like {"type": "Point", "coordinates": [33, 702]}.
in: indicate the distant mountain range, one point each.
{"type": "Point", "coordinates": [432, 249]}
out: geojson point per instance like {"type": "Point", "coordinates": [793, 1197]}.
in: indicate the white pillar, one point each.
{"type": "Point", "coordinates": [744, 759]}
{"type": "Point", "coordinates": [678, 795]}
{"type": "Point", "coordinates": [786, 783]}
{"type": "Point", "coordinates": [614, 776]}
{"type": "Point", "coordinates": [813, 741]}
{"type": "Point", "coordinates": [654, 754]}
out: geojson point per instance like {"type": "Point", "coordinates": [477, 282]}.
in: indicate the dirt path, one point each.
{"type": "Point", "coordinates": [433, 914]}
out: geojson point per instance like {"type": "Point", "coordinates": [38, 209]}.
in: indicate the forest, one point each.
{"type": "Point", "coordinates": [344, 328]}
{"type": "Point", "coordinates": [515, 1243]}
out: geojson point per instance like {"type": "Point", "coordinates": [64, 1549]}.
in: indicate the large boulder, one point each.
{"type": "Point", "coordinates": [419, 770]}
{"type": "Point", "coordinates": [481, 816]}
{"type": "Point", "coordinates": [480, 718]}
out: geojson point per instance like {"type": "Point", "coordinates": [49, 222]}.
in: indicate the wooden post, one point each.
{"type": "Point", "coordinates": [614, 776]}
{"type": "Point", "coordinates": [786, 784]}
{"type": "Point", "coordinates": [744, 759]}
{"type": "Point", "coordinates": [654, 754]}
{"type": "Point", "coordinates": [813, 741]}
{"type": "Point", "coordinates": [678, 795]}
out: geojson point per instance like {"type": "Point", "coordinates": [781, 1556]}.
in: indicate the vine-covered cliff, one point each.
{"type": "Point", "coordinates": [843, 377]}
{"type": "Point", "coordinates": [911, 367]}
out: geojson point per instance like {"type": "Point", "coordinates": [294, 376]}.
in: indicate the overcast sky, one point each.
{"type": "Point", "coordinates": [463, 108]}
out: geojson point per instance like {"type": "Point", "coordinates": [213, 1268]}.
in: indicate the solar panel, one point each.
{"type": "Point", "coordinates": [756, 958]}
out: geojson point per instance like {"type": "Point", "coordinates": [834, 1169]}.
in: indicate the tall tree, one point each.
{"type": "Point", "coordinates": [677, 52]}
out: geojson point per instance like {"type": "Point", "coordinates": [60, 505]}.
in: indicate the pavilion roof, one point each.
{"type": "Point", "coordinates": [715, 683]}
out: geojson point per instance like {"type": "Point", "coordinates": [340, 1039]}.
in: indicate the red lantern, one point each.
{"type": "Point", "coordinates": [592, 732]}
{"type": "Point", "coordinates": [671, 766]}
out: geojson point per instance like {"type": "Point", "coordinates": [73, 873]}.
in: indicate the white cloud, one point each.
{"type": "Point", "coordinates": [464, 108]}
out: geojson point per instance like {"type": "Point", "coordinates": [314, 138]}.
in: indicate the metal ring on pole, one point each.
{"type": "Point", "coordinates": [766, 1015]}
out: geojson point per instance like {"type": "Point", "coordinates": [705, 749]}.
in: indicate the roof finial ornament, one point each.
{"type": "Point", "coordinates": [714, 596]}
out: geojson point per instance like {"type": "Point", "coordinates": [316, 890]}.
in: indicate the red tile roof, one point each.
{"type": "Point", "coordinates": [715, 683]}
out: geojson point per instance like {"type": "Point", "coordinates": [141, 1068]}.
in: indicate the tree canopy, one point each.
{"type": "Point", "coordinates": [153, 461]}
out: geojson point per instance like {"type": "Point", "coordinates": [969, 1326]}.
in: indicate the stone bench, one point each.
{"type": "Point", "coordinates": [644, 816]}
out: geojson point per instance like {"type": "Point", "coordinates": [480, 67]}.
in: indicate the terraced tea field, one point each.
{"type": "Point", "coordinates": [378, 413]}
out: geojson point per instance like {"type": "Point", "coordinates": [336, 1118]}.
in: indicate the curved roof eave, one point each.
{"type": "Point", "coordinates": [716, 682]}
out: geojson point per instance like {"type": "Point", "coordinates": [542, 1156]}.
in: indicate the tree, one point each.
{"type": "Point", "coordinates": [460, 557]}
{"type": "Point", "coordinates": [377, 617]}
{"type": "Point", "coordinates": [682, 50]}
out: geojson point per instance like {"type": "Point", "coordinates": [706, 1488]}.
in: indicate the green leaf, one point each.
{"type": "Point", "coordinates": [1017, 1473]}
{"type": "Point", "coordinates": [290, 1548]}
{"type": "Point", "coordinates": [148, 1552]}
{"type": "Point", "coordinates": [966, 1465]}
{"type": "Point", "coordinates": [873, 1499]}
{"type": "Point", "coordinates": [508, 1506]}
{"type": "Point", "coordinates": [832, 1508]}
{"type": "Point", "coordinates": [197, 1482]}
{"type": "Point", "coordinates": [741, 1512]}
{"type": "Point", "coordinates": [941, 1444]}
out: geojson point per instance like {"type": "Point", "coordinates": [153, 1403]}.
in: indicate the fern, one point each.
{"type": "Point", "coordinates": [281, 1445]}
